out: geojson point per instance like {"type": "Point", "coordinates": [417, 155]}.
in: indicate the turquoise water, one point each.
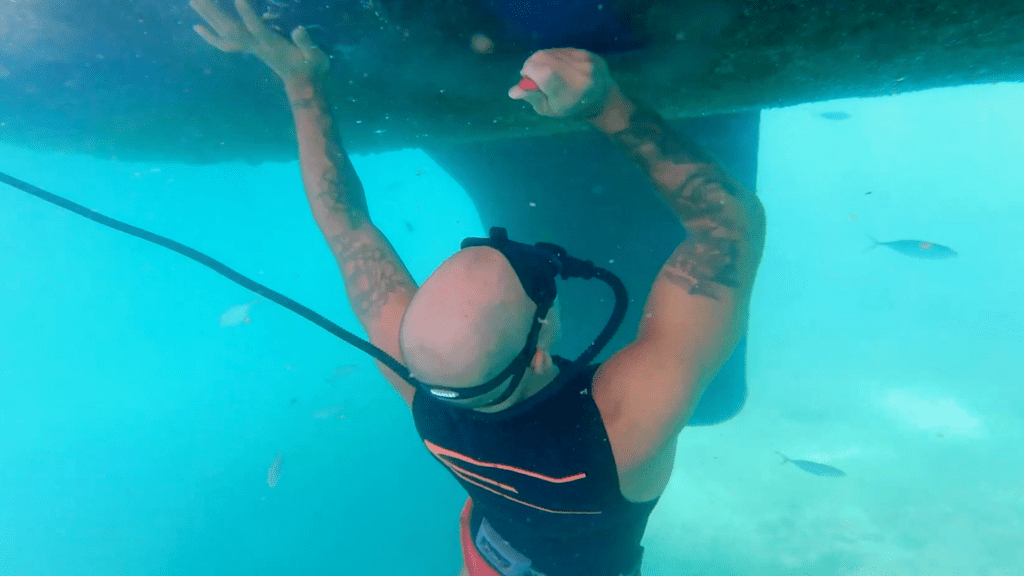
{"type": "Point", "coordinates": [136, 431]}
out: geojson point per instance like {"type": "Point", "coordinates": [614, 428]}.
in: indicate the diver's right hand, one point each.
{"type": "Point", "coordinates": [298, 60]}
{"type": "Point", "coordinates": [571, 83]}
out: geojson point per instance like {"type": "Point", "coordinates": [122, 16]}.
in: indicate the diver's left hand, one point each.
{"type": "Point", "coordinates": [294, 62]}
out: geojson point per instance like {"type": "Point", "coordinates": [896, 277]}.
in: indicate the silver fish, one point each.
{"type": "Point", "coordinates": [816, 468]}
{"type": "Point", "coordinates": [918, 249]}
{"type": "Point", "coordinates": [274, 472]}
{"type": "Point", "coordinates": [236, 315]}
{"type": "Point", "coordinates": [330, 412]}
{"type": "Point", "coordinates": [835, 115]}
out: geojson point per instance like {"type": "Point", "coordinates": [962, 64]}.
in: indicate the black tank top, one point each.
{"type": "Point", "coordinates": [543, 475]}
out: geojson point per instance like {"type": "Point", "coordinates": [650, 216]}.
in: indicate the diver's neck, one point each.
{"type": "Point", "coordinates": [532, 384]}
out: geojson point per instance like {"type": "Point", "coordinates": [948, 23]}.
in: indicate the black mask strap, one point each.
{"type": "Point", "coordinates": [536, 267]}
{"type": "Point", "coordinates": [516, 369]}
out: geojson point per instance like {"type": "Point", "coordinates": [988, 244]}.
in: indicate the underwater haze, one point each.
{"type": "Point", "coordinates": [158, 420]}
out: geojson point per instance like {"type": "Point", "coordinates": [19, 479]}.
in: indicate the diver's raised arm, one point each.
{"type": "Point", "coordinates": [378, 285]}
{"type": "Point", "coordinates": [696, 311]}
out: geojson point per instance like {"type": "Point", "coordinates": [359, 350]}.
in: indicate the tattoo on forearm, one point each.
{"type": "Point", "coordinates": [304, 103]}
{"type": "Point", "coordinates": [649, 140]}
{"type": "Point", "coordinates": [338, 188]}
{"type": "Point", "coordinates": [371, 274]}
{"type": "Point", "coordinates": [698, 264]}
{"type": "Point", "coordinates": [343, 196]}
{"type": "Point", "coordinates": [712, 206]}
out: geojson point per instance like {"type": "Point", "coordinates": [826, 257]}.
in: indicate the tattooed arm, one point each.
{"type": "Point", "coordinates": [724, 221]}
{"type": "Point", "coordinates": [378, 285]}
{"type": "Point", "coordinates": [696, 311]}
{"type": "Point", "coordinates": [697, 308]}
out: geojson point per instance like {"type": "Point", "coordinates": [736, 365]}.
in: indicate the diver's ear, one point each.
{"type": "Point", "coordinates": [541, 362]}
{"type": "Point", "coordinates": [551, 332]}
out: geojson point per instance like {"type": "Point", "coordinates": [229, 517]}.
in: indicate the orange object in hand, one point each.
{"type": "Point", "coordinates": [527, 84]}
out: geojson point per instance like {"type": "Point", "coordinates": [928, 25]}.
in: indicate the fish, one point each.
{"type": "Point", "coordinates": [274, 472]}
{"type": "Point", "coordinates": [341, 371]}
{"type": "Point", "coordinates": [918, 249]}
{"type": "Point", "coordinates": [236, 315]}
{"type": "Point", "coordinates": [835, 115]}
{"type": "Point", "coordinates": [816, 468]}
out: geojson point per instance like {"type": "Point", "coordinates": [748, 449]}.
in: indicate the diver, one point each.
{"type": "Point", "coordinates": [562, 468]}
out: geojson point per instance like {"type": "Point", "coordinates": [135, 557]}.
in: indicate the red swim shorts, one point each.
{"type": "Point", "coordinates": [475, 564]}
{"type": "Point", "coordinates": [471, 558]}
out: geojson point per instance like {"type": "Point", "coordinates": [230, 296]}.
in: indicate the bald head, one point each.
{"type": "Point", "coordinates": [468, 320]}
